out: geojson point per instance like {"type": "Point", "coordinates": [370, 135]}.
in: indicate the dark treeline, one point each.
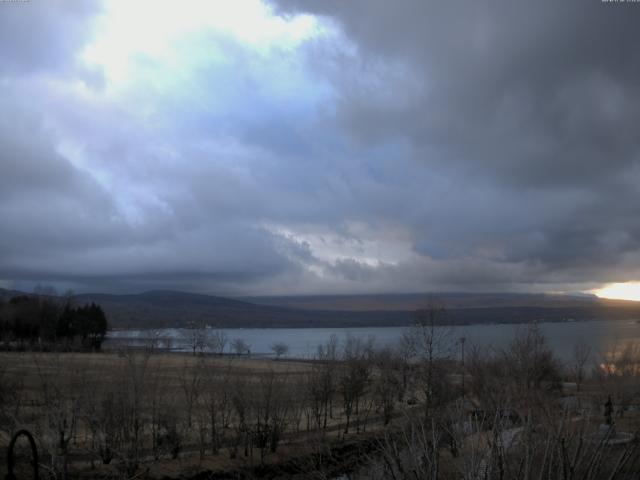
{"type": "Point", "coordinates": [47, 321]}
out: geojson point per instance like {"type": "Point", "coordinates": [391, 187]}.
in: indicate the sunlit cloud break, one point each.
{"type": "Point", "coordinates": [620, 291]}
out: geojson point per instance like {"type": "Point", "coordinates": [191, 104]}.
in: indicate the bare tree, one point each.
{"type": "Point", "coordinates": [355, 375]}
{"type": "Point", "coordinates": [191, 381]}
{"type": "Point", "coordinates": [103, 423]}
{"type": "Point", "coordinates": [316, 397]}
{"type": "Point", "coordinates": [240, 347]}
{"type": "Point", "coordinates": [533, 372]}
{"type": "Point", "coordinates": [409, 452]}
{"type": "Point", "coordinates": [268, 412]}
{"type": "Point", "coordinates": [196, 337]}
{"type": "Point", "coordinates": [328, 351]}
{"type": "Point", "coordinates": [327, 358]}
{"type": "Point", "coordinates": [60, 402]}
{"type": "Point", "coordinates": [12, 401]}
{"type": "Point", "coordinates": [240, 399]}
{"type": "Point", "coordinates": [404, 353]}
{"type": "Point", "coordinates": [217, 398]}
{"type": "Point", "coordinates": [128, 410]}
{"type": "Point", "coordinates": [522, 377]}
{"type": "Point", "coordinates": [386, 383]}
{"type": "Point", "coordinates": [430, 343]}
{"type": "Point", "coordinates": [279, 349]}
{"type": "Point", "coordinates": [581, 356]}
{"type": "Point", "coordinates": [218, 341]}
{"type": "Point", "coordinates": [157, 395]}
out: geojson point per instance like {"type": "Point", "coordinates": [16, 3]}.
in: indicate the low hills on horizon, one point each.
{"type": "Point", "coordinates": [165, 308]}
{"type": "Point", "coordinates": [415, 301]}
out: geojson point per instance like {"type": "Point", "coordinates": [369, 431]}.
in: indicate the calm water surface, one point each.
{"type": "Point", "coordinates": [600, 335]}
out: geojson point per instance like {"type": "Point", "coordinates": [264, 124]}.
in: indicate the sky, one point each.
{"type": "Point", "coordinates": [305, 147]}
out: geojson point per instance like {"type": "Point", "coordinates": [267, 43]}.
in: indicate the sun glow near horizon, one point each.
{"type": "Point", "coordinates": [619, 291]}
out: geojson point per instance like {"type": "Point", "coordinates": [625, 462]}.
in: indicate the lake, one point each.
{"type": "Point", "coordinates": [600, 335]}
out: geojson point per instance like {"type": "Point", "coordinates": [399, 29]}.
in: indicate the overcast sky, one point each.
{"type": "Point", "coordinates": [319, 146]}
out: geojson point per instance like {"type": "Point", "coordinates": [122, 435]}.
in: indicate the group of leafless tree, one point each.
{"type": "Point", "coordinates": [433, 411]}
{"type": "Point", "coordinates": [200, 339]}
{"type": "Point", "coordinates": [513, 420]}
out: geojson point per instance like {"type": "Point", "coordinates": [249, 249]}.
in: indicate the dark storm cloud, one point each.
{"type": "Point", "coordinates": [419, 146]}
{"type": "Point", "coordinates": [47, 205]}
{"type": "Point", "coordinates": [529, 110]}
{"type": "Point", "coordinates": [535, 91]}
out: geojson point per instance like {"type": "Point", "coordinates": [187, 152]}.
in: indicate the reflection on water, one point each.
{"type": "Point", "coordinates": [622, 358]}
{"type": "Point", "coordinates": [602, 336]}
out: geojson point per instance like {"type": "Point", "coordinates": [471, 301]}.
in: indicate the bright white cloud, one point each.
{"type": "Point", "coordinates": [354, 241]}
{"type": "Point", "coordinates": [130, 32]}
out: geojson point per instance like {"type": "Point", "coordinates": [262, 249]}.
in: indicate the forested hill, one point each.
{"type": "Point", "coordinates": [179, 309]}
{"type": "Point", "coordinates": [452, 300]}
{"type": "Point", "coordinates": [156, 309]}
{"type": "Point", "coordinates": [169, 308]}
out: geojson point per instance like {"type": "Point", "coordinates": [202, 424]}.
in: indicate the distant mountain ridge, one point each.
{"type": "Point", "coordinates": [414, 301]}
{"type": "Point", "coordinates": [166, 308]}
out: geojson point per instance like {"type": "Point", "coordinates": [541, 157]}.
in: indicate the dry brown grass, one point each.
{"type": "Point", "coordinates": [30, 368]}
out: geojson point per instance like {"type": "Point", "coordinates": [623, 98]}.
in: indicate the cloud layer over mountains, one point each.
{"type": "Point", "coordinates": [316, 147]}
